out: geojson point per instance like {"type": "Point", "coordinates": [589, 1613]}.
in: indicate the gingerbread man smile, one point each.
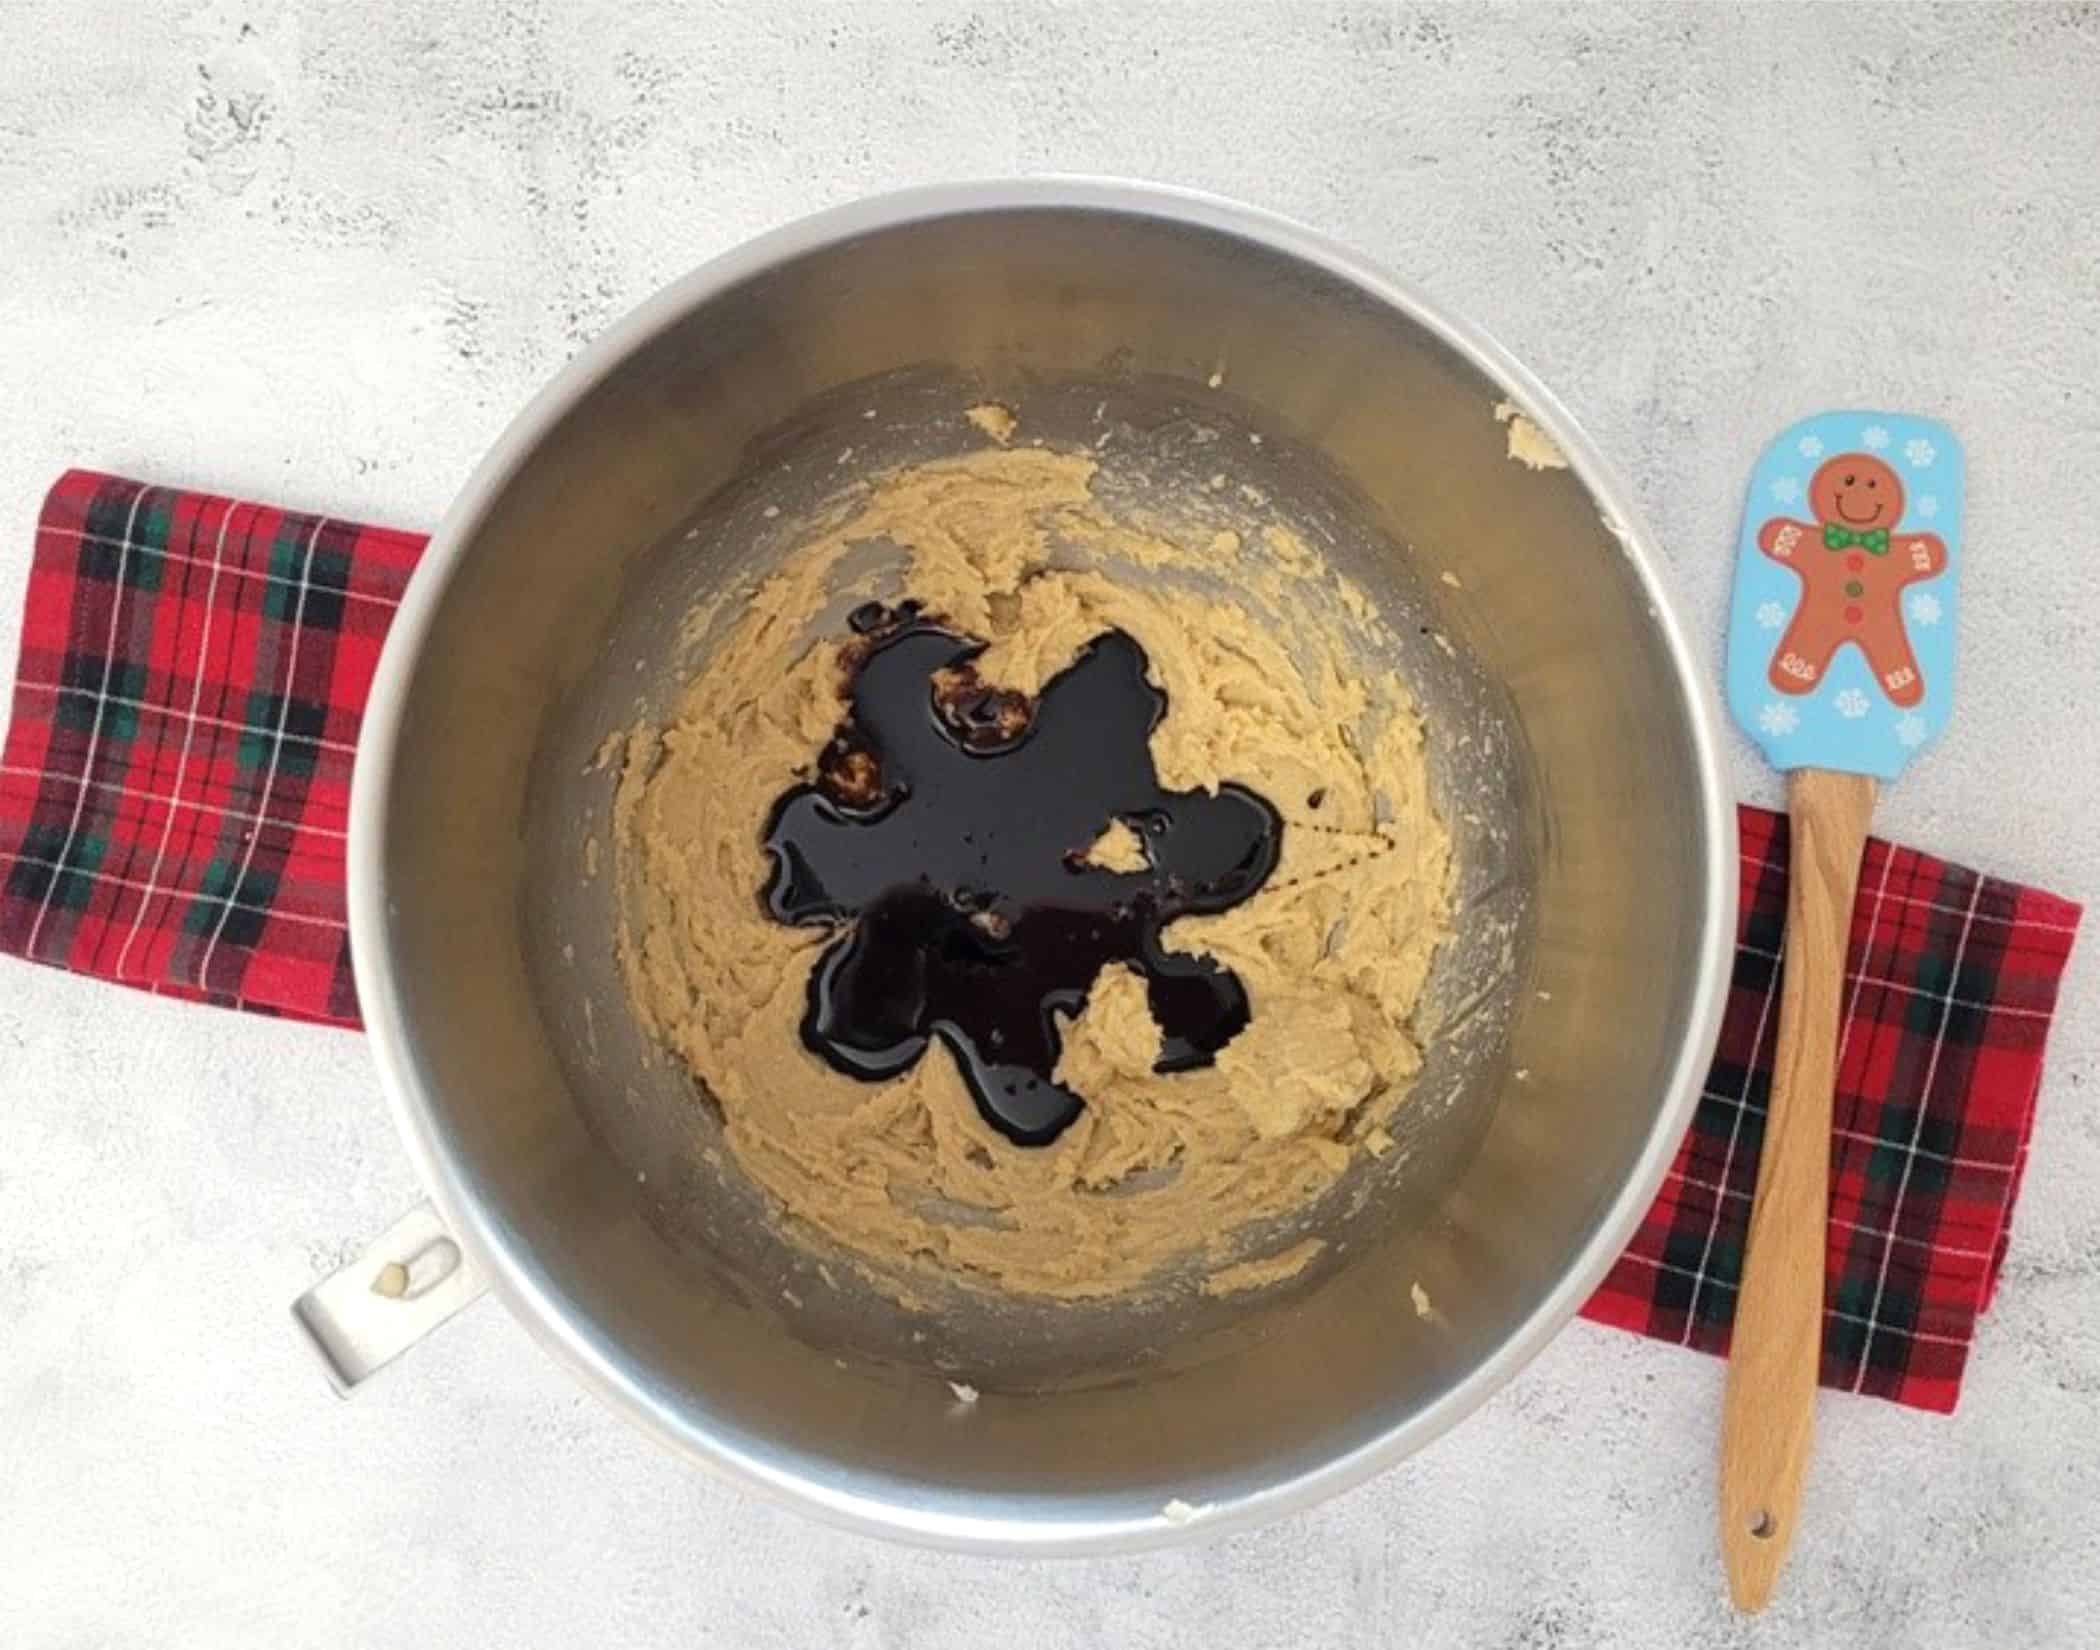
{"type": "Point", "coordinates": [1853, 566]}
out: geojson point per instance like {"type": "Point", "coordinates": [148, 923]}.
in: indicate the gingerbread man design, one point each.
{"type": "Point", "coordinates": [1854, 567]}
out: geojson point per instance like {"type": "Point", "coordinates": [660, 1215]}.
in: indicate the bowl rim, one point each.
{"type": "Point", "coordinates": [513, 1275]}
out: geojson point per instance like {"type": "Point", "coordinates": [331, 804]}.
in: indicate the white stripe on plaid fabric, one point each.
{"type": "Point", "coordinates": [1919, 903]}
{"type": "Point", "coordinates": [1839, 1131]}
{"type": "Point", "coordinates": [1909, 990]}
{"type": "Point", "coordinates": [1932, 1066]}
{"type": "Point", "coordinates": [1880, 898]}
{"type": "Point", "coordinates": [1832, 1311]}
{"type": "Point", "coordinates": [1881, 889]}
{"type": "Point", "coordinates": [238, 816]}
{"type": "Point", "coordinates": [260, 575]}
{"type": "Point", "coordinates": [109, 668]}
{"type": "Point", "coordinates": [1952, 1159]}
{"type": "Point", "coordinates": [189, 735]}
{"type": "Point", "coordinates": [60, 690]}
{"type": "Point", "coordinates": [273, 912]}
{"type": "Point", "coordinates": [1871, 1228]}
{"type": "Point", "coordinates": [284, 713]}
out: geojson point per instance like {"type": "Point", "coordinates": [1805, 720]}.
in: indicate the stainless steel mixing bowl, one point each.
{"type": "Point", "coordinates": [1572, 746]}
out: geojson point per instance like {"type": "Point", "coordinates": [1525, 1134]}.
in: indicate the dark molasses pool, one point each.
{"type": "Point", "coordinates": [948, 829]}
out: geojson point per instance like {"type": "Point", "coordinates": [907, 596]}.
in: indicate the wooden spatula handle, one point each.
{"type": "Point", "coordinates": [1768, 1416]}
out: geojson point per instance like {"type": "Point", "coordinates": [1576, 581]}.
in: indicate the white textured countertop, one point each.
{"type": "Point", "coordinates": [320, 253]}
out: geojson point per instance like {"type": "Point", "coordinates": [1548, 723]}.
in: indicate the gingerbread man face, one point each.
{"type": "Point", "coordinates": [1854, 561]}
{"type": "Point", "coordinates": [1858, 492]}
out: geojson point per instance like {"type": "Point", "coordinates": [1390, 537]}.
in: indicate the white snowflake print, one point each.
{"type": "Point", "coordinates": [1919, 451]}
{"type": "Point", "coordinates": [1809, 447]}
{"type": "Point", "coordinates": [1778, 720]}
{"type": "Point", "coordinates": [1785, 489]}
{"type": "Point", "coordinates": [1875, 437]}
{"type": "Point", "coordinates": [1851, 704]}
{"type": "Point", "coordinates": [1928, 506]}
{"type": "Point", "coordinates": [1910, 731]}
{"type": "Point", "coordinates": [1770, 616]}
{"type": "Point", "coordinates": [1925, 607]}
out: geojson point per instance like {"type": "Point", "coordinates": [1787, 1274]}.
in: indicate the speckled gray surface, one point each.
{"type": "Point", "coordinates": [321, 253]}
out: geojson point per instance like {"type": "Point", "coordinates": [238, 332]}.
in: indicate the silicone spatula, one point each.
{"type": "Point", "coordinates": [1840, 668]}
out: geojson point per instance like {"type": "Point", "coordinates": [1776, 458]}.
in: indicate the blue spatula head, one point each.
{"type": "Point", "coordinates": [1841, 632]}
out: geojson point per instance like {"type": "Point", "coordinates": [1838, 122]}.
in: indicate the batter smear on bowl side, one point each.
{"type": "Point", "coordinates": [1298, 891]}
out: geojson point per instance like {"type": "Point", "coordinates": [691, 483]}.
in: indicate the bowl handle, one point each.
{"type": "Point", "coordinates": [409, 1280]}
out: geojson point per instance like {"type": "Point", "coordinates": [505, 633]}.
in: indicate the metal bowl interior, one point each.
{"type": "Point", "coordinates": [1571, 748]}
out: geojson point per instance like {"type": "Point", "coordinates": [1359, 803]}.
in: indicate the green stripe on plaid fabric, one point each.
{"type": "Point", "coordinates": [174, 797]}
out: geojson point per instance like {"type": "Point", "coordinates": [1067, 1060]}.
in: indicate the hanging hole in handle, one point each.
{"type": "Point", "coordinates": [416, 1274]}
{"type": "Point", "coordinates": [1763, 1526]}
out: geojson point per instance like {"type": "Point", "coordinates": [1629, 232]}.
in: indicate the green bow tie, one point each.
{"type": "Point", "coordinates": [1875, 540]}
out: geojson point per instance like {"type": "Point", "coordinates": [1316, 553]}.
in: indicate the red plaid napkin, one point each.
{"type": "Point", "coordinates": [1950, 983]}
{"type": "Point", "coordinates": [175, 788]}
{"type": "Point", "coordinates": [174, 795]}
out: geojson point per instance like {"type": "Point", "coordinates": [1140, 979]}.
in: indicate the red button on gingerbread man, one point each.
{"type": "Point", "coordinates": [1853, 566]}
